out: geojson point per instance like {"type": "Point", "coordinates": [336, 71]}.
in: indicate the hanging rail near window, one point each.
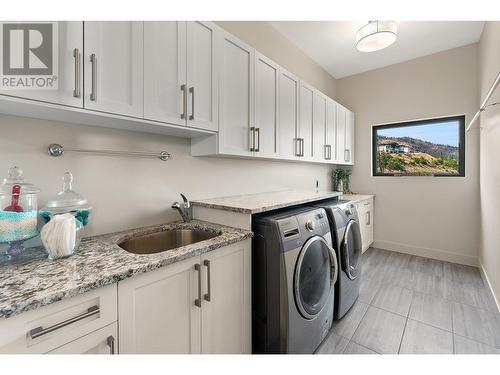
{"type": "Point", "coordinates": [56, 150]}
{"type": "Point", "coordinates": [483, 104]}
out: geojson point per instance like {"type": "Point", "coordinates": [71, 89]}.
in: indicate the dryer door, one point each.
{"type": "Point", "coordinates": [316, 272]}
{"type": "Point", "coordinates": [351, 249]}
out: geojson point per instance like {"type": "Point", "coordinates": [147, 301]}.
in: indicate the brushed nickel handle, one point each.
{"type": "Point", "coordinates": [257, 130]}
{"type": "Point", "coordinates": [207, 296]}
{"type": "Point", "coordinates": [297, 146]}
{"type": "Point", "coordinates": [93, 92]}
{"type": "Point", "coordinates": [76, 55]}
{"type": "Point", "coordinates": [252, 136]}
{"type": "Point", "coordinates": [368, 218]}
{"type": "Point", "coordinates": [191, 91]}
{"type": "Point", "coordinates": [40, 331]}
{"type": "Point", "coordinates": [328, 152]}
{"type": "Point", "coordinates": [301, 147]}
{"type": "Point", "coordinates": [184, 101]}
{"type": "Point", "coordinates": [110, 341]}
{"type": "Point", "coordinates": [346, 153]}
{"type": "Point", "coordinates": [197, 301]}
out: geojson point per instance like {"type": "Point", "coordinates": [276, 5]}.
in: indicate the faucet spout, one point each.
{"type": "Point", "coordinates": [184, 209]}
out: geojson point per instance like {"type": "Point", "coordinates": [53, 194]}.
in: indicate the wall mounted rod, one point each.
{"type": "Point", "coordinates": [56, 150]}
{"type": "Point", "coordinates": [483, 104]}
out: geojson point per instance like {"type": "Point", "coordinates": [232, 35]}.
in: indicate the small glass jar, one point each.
{"type": "Point", "coordinates": [18, 211]}
{"type": "Point", "coordinates": [65, 216]}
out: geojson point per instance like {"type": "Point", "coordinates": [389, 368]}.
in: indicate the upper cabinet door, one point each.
{"type": "Point", "coordinates": [341, 134]}
{"type": "Point", "coordinates": [113, 64]}
{"type": "Point", "coordinates": [349, 137]}
{"type": "Point", "coordinates": [165, 88]}
{"type": "Point", "coordinates": [331, 130]}
{"type": "Point", "coordinates": [202, 75]}
{"type": "Point", "coordinates": [157, 311]}
{"type": "Point", "coordinates": [306, 115]}
{"type": "Point", "coordinates": [266, 106]}
{"type": "Point", "coordinates": [320, 151]}
{"type": "Point", "coordinates": [226, 316]}
{"type": "Point", "coordinates": [69, 69]}
{"type": "Point", "coordinates": [288, 115]}
{"type": "Point", "coordinates": [236, 99]}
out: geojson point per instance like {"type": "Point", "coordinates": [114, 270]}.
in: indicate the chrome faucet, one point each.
{"type": "Point", "coordinates": [184, 209]}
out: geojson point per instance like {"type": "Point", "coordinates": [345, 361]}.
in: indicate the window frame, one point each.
{"type": "Point", "coordinates": [461, 144]}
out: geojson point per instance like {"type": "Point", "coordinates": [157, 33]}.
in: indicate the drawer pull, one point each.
{"type": "Point", "coordinates": [110, 341]}
{"type": "Point", "coordinates": [40, 331]}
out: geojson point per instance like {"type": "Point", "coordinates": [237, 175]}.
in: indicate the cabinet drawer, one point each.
{"type": "Point", "coordinates": [49, 327]}
{"type": "Point", "coordinates": [102, 341]}
{"type": "Point", "coordinates": [364, 206]}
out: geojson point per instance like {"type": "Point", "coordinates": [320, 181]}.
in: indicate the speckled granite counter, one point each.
{"type": "Point", "coordinates": [357, 197]}
{"type": "Point", "coordinates": [262, 202]}
{"type": "Point", "coordinates": [33, 281]}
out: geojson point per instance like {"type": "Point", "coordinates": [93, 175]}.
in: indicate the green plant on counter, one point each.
{"type": "Point", "coordinates": [341, 175]}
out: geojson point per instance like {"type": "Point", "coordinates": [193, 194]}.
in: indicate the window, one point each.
{"type": "Point", "coordinates": [434, 147]}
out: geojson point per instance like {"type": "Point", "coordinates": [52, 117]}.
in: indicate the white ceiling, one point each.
{"type": "Point", "coordinates": [332, 43]}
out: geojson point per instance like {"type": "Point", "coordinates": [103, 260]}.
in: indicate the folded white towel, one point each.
{"type": "Point", "coordinates": [59, 235]}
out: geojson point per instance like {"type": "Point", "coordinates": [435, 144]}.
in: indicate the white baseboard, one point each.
{"type": "Point", "coordinates": [426, 252]}
{"type": "Point", "coordinates": [484, 275]}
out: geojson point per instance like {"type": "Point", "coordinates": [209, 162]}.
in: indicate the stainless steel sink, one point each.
{"type": "Point", "coordinates": [166, 240]}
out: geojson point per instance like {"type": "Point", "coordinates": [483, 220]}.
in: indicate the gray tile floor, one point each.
{"type": "Point", "coordinates": [415, 305]}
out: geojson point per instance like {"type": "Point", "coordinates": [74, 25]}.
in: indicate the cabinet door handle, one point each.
{"type": "Point", "coordinates": [184, 101]}
{"type": "Point", "coordinates": [110, 341]}
{"type": "Point", "coordinates": [76, 55]}
{"type": "Point", "coordinates": [93, 92]}
{"type": "Point", "coordinates": [197, 301]}
{"type": "Point", "coordinates": [297, 146]}
{"type": "Point", "coordinates": [257, 131]}
{"type": "Point", "coordinates": [347, 155]}
{"type": "Point", "coordinates": [328, 152]}
{"type": "Point", "coordinates": [40, 331]}
{"type": "Point", "coordinates": [252, 138]}
{"type": "Point", "coordinates": [301, 147]}
{"type": "Point", "coordinates": [368, 218]}
{"type": "Point", "coordinates": [191, 91]}
{"type": "Point", "coordinates": [207, 296]}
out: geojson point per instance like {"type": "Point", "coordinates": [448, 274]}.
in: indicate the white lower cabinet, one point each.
{"type": "Point", "coordinates": [200, 305]}
{"type": "Point", "coordinates": [102, 341]}
{"type": "Point", "coordinates": [365, 214]}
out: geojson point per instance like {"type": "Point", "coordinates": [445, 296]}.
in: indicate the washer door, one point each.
{"type": "Point", "coordinates": [351, 249]}
{"type": "Point", "coordinates": [316, 271]}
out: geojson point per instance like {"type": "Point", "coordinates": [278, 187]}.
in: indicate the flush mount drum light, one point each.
{"type": "Point", "coordinates": [376, 35]}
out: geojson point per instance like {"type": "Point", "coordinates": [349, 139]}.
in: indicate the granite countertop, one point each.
{"type": "Point", "coordinates": [357, 197]}
{"type": "Point", "coordinates": [33, 281]}
{"type": "Point", "coordinates": [262, 202]}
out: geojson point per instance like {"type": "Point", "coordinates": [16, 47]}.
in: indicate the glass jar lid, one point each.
{"type": "Point", "coordinates": [16, 177]}
{"type": "Point", "coordinates": [67, 200]}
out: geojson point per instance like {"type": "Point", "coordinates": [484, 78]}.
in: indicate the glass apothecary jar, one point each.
{"type": "Point", "coordinates": [65, 216]}
{"type": "Point", "coordinates": [18, 211]}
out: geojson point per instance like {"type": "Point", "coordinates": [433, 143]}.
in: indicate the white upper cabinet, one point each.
{"type": "Point", "coordinates": [320, 151]}
{"type": "Point", "coordinates": [288, 115]}
{"type": "Point", "coordinates": [165, 88]}
{"type": "Point", "coordinates": [201, 75]}
{"type": "Point", "coordinates": [69, 69]}
{"type": "Point", "coordinates": [306, 120]}
{"type": "Point", "coordinates": [236, 99]}
{"type": "Point", "coordinates": [266, 107]}
{"type": "Point", "coordinates": [331, 130]}
{"type": "Point", "coordinates": [113, 65]}
{"type": "Point", "coordinates": [349, 137]}
{"type": "Point", "coordinates": [341, 119]}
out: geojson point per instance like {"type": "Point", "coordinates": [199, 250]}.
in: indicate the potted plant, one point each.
{"type": "Point", "coordinates": [341, 178]}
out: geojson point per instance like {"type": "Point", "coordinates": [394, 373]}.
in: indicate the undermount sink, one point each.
{"type": "Point", "coordinates": [165, 240]}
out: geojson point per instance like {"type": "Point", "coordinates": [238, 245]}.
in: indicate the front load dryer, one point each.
{"type": "Point", "coordinates": [294, 269]}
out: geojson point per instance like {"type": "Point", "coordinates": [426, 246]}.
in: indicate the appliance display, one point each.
{"type": "Point", "coordinates": [294, 270]}
{"type": "Point", "coordinates": [346, 237]}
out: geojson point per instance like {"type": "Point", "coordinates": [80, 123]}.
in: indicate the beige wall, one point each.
{"type": "Point", "coordinates": [133, 192]}
{"type": "Point", "coordinates": [430, 216]}
{"type": "Point", "coordinates": [268, 41]}
{"type": "Point", "coordinates": [489, 66]}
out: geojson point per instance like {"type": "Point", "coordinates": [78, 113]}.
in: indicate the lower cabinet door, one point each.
{"type": "Point", "coordinates": [226, 306]}
{"type": "Point", "coordinates": [157, 311]}
{"type": "Point", "coordinates": [102, 341]}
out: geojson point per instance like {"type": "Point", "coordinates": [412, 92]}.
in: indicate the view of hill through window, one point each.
{"type": "Point", "coordinates": [419, 148]}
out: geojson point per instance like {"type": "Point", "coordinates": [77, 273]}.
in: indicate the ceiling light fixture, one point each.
{"type": "Point", "coordinates": [376, 35]}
